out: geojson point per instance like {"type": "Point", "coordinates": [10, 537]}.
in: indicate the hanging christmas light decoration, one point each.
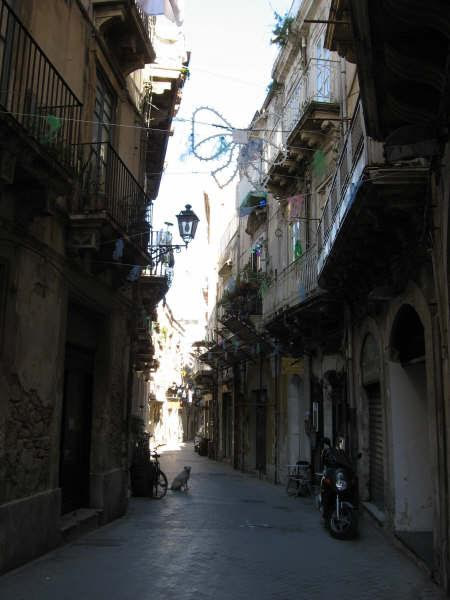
{"type": "Point", "coordinates": [234, 150]}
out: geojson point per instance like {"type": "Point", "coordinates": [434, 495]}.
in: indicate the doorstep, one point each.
{"type": "Point", "coordinates": [375, 512]}
{"type": "Point", "coordinates": [78, 522]}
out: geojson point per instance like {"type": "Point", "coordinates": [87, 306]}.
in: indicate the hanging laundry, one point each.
{"type": "Point", "coordinates": [319, 163]}
{"type": "Point", "coordinates": [298, 250]}
{"type": "Point", "coordinates": [301, 292]}
{"type": "Point", "coordinates": [53, 124]}
{"type": "Point", "coordinates": [295, 204]}
{"type": "Point", "coordinates": [172, 9]}
{"type": "Point", "coordinates": [134, 273]}
{"type": "Point", "coordinates": [240, 136]}
{"type": "Point", "coordinates": [263, 288]}
{"type": "Point", "coordinates": [171, 261]}
{"type": "Point", "coordinates": [118, 250]}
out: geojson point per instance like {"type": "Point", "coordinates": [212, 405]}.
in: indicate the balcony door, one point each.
{"type": "Point", "coordinates": [322, 72]}
{"type": "Point", "coordinates": [102, 134]}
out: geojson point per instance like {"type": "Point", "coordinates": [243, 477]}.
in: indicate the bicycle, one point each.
{"type": "Point", "coordinates": [299, 479]}
{"type": "Point", "coordinates": [159, 482]}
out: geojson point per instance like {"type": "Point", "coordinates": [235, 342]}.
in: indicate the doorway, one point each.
{"type": "Point", "coordinates": [412, 441]}
{"type": "Point", "coordinates": [76, 429]}
{"type": "Point", "coordinates": [260, 399]}
{"type": "Point", "coordinates": [227, 424]}
{"type": "Point", "coordinates": [83, 328]}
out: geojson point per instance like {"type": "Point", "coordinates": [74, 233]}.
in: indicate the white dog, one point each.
{"type": "Point", "coordinates": [181, 480]}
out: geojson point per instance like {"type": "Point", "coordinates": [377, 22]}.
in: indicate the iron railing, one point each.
{"type": "Point", "coordinates": [108, 185]}
{"type": "Point", "coordinates": [358, 152]}
{"type": "Point", "coordinates": [147, 22]}
{"type": "Point", "coordinates": [34, 93]}
{"type": "Point", "coordinates": [295, 284]}
{"type": "Point", "coordinates": [318, 83]}
{"type": "Point", "coordinates": [162, 254]}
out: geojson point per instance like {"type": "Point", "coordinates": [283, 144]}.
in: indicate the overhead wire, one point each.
{"type": "Point", "coordinates": [146, 128]}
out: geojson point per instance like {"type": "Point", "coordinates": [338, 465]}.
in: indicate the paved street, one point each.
{"type": "Point", "coordinates": [230, 537]}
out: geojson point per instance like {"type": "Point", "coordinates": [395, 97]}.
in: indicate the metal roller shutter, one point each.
{"type": "Point", "coordinates": [376, 444]}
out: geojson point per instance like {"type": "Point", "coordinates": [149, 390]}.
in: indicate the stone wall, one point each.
{"type": "Point", "coordinates": [27, 441]}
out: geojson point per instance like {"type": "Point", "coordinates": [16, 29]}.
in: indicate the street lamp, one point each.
{"type": "Point", "coordinates": [163, 249]}
{"type": "Point", "coordinates": [187, 224]}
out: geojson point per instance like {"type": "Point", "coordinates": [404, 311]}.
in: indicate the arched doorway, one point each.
{"type": "Point", "coordinates": [370, 370]}
{"type": "Point", "coordinates": [413, 488]}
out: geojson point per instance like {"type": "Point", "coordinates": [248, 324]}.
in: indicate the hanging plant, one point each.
{"type": "Point", "coordinates": [274, 86]}
{"type": "Point", "coordinates": [282, 29]}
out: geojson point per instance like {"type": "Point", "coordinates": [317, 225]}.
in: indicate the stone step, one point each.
{"type": "Point", "coordinates": [79, 522]}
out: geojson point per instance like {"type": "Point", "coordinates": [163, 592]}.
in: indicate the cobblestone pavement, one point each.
{"type": "Point", "coordinates": [230, 537]}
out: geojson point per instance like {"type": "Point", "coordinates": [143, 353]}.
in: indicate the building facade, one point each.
{"type": "Point", "coordinates": [77, 185]}
{"type": "Point", "coordinates": [332, 317]}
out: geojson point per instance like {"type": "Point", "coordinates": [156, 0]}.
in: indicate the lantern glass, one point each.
{"type": "Point", "coordinates": [187, 224]}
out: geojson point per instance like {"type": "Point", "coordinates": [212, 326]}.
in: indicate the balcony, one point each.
{"type": "Point", "coordinates": [294, 285]}
{"type": "Point", "coordinates": [314, 95]}
{"type": "Point", "coordinates": [36, 104]}
{"type": "Point", "coordinates": [143, 345]}
{"type": "Point", "coordinates": [127, 32]}
{"type": "Point", "coordinates": [372, 209]}
{"type": "Point", "coordinates": [111, 214]}
{"type": "Point", "coordinates": [311, 99]}
{"type": "Point", "coordinates": [152, 289]}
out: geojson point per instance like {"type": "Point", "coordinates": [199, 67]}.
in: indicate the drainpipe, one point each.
{"type": "Point", "coordinates": [349, 375]}
{"type": "Point", "coordinates": [343, 90]}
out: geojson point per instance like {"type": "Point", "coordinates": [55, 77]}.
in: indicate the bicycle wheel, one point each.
{"type": "Point", "coordinates": [160, 486]}
{"type": "Point", "coordinates": [292, 487]}
{"type": "Point", "coordinates": [304, 488]}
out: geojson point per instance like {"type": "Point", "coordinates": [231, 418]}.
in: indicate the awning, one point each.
{"type": "Point", "coordinates": [251, 202]}
{"type": "Point", "coordinates": [247, 334]}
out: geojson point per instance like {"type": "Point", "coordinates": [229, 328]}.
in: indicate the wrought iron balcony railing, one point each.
{"type": "Point", "coordinates": [147, 22]}
{"type": "Point", "coordinates": [358, 152]}
{"type": "Point", "coordinates": [34, 93]}
{"type": "Point", "coordinates": [109, 186]}
{"type": "Point", "coordinates": [295, 284]}
{"type": "Point", "coordinates": [319, 83]}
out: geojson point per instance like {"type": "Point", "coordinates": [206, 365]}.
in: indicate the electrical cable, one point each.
{"type": "Point", "coordinates": [143, 128]}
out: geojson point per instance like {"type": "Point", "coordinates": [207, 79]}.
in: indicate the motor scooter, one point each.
{"type": "Point", "coordinates": [338, 497]}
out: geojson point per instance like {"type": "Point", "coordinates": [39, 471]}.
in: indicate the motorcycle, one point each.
{"type": "Point", "coordinates": [338, 497]}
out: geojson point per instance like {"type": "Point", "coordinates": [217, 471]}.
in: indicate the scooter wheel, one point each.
{"type": "Point", "coordinates": [346, 527]}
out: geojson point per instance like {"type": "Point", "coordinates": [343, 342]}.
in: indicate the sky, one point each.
{"type": "Point", "coordinates": [230, 69]}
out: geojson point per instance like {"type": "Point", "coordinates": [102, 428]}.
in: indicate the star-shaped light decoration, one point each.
{"type": "Point", "coordinates": [234, 151]}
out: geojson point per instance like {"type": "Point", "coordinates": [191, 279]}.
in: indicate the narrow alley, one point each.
{"type": "Point", "coordinates": [230, 536]}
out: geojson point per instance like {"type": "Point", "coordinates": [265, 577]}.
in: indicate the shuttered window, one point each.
{"type": "Point", "coordinates": [370, 367]}
{"type": "Point", "coordinates": [376, 445]}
